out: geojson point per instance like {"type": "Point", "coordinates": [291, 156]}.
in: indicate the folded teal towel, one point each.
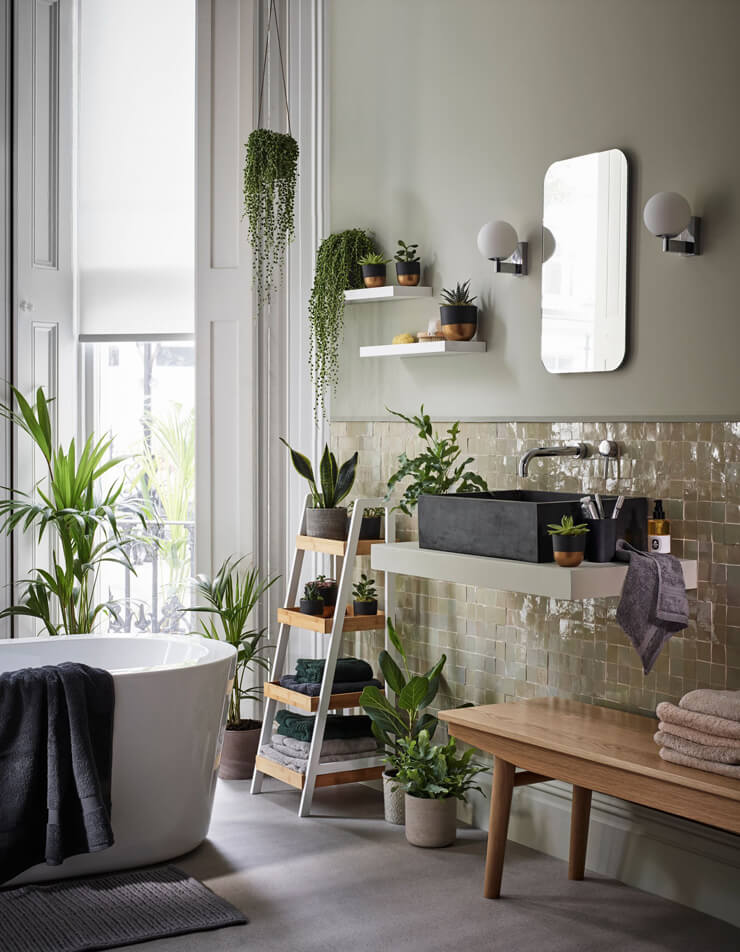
{"type": "Point", "coordinates": [310, 670]}
{"type": "Point", "coordinates": [300, 726]}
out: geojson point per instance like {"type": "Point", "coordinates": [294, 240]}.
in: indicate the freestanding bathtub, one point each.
{"type": "Point", "coordinates": [170, 715]}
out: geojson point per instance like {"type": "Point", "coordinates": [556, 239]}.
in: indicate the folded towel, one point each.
{"type": "Point", "coordinates": [56, 740]}
{"type": "Point", "coordinates": [676, 757]}
{"type": "Point", "coordinates": [698, 737]}
{"type": "Point", "coordinates": [653, 605]}
{"type": "Point", "coordinates": [724, 704]}
{"type": "Point", "coordinates": [708, 723]}
{"type": "Point", "coordinates": [309, 670]}
{"type": "Point", "coordinates": [301, 748]}
{"type": "Point", "coordinates": [281, 755]}
{"type": "Point", "coordinates": [719, 755]}
{"type": "Point", "coordinates": [313, 688]}
{"type": "Point", "coordinates": [300, 726]}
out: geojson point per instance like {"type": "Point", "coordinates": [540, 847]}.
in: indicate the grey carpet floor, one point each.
{"type": "Point", "coordinates": [345, 881]}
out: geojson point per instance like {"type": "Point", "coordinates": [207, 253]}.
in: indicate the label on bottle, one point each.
{"type": "Point", "coordinates": [659, 543]}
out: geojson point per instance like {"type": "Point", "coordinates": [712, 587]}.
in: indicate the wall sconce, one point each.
{"type": "Point", "coordinates": [667, 215]}
{"type": "Point", "coordinates": [499, 242]}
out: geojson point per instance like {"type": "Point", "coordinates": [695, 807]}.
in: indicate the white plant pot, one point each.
{"type": "Point", "coordinates": [431, 823]}
{"type": "Point", "coordinates": [393, 802]}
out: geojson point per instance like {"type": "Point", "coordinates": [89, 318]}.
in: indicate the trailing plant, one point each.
{"type": "Point", "coordinates": [232, 596]}
{"type": "Point", "coordinates": [270, 175]}
{"type": "Point", "coordinates": [406, 252]}
{"type": "Point", "coordinates": [364, 590]}
{"type": "Point", "coordinates": [82, 517]}
{"type": "Point", "coordinates": [373, 257]}
{"type": "Point", "coordinates": [567, 527]}
{"type": "Point", "coordinates": [459, 297]}
{"type": "Point", "coordinates": [436, 772]}
{"type": "Point", "coordinates": [392, 723]}
{"type": "Point", "coordinates": [336, 482]}
{"type": "Point", "coordinates": [435, 471]}
{"type": "Point", "coordinates": [337, 270]}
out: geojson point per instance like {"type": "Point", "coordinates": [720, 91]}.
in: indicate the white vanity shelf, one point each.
{"type": "Point", "coordinates": [588, 580]}
{"type": "Point", "coordinates": [390, 292]}
{"type": "Point", "coordinates": [432, 348]}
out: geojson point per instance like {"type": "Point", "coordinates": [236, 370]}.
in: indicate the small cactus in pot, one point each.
{"type": "Point", "coordinates": [312, 602]}
{"type": "Point", "coordinates": [458, 313]}
{"type": "Point", "coordinates": [568, 541]}
{"type": "Point", "coordinates": [373, 269]}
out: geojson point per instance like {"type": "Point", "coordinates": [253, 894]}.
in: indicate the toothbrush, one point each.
{"type": "Point", "coordinates": [599, 506]}
{"type": "Point", "coordinates": [618, 506]}
{"type": "Point", "coordinates": [588, 505]}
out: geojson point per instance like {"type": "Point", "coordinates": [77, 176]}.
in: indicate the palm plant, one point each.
{"type": "Point", "coordinates": [82, 518]}
{"type": "Point", "coordinates": [232, 597]}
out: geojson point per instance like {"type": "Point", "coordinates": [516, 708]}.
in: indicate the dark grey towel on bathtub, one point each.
{"type": "Point", "coordinates": [653, 605]}
{"type": "Point", "coordinates": [56, 742]}
{"type": "Point", "coordinates": [313, 689]}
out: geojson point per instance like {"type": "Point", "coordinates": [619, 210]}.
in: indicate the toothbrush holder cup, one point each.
{"type": "Point", "coordinates": [601, 541]}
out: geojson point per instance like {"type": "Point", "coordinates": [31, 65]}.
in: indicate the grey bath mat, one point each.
{"type": "Point", "coordinates": [104, 912]}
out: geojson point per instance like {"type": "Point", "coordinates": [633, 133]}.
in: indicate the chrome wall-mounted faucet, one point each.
{"type": "Point", "coordinates": [608, 449]}
{"type": "Point", "coordinates": [577, 450]}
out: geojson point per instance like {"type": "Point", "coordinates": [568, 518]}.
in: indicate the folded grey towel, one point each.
{"type": "Point", "coordinates": [685, 760]}
{"type": "Point", "coordinates": [724, 704]}
{"type": "Point", "coordinates": [719, 755]}
{"type": "Point", "coordinates": [718, 726]}
{"type": "Point", "coordinates": [653, 605]}
{"type": "Point", "coordinates": [281, 755]}
{"type": "Point", "coordinates": [697, 737]}
{"type": "Point", "coordinates": [301, 748]}
{"type": "Point", "coordinates": [313, 688]}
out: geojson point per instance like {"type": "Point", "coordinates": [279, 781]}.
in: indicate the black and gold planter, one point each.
{"type": "Point", "coordinates": [373, 275]}
{"type": "Point", "coordinates": [569, 550]}
{"type": "Point", "coordinates": [408, 273]}
{"type": "Point", "coordinates": [459, 321]}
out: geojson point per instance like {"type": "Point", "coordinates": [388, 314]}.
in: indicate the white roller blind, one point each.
{"type": "Point", "coordinates": [136, 171]}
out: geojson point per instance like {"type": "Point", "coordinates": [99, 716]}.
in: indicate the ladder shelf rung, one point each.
{"type": "Point", "coordinates": [351, 774]}
{"type": "Point", "coordinates": [333, 546]}
{"type": "Point", "coordinates": [305, 702]}
{"type": "Point", "coordinates": [323, 623]}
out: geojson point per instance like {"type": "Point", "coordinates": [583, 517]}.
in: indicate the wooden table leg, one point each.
{"type": "Point", "coordinates": [503, 784]}
{"type": "Point", "coordinates": [579, 816]}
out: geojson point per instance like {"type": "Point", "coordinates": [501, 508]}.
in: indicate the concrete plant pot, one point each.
{"type": "Point", "coordinates": [327, 523]}
{"type": "Point", "coordinates": [430, 823]}
{"type": "Point", "coordinates": [393, 800]}
{"type": "Point", "coordinates": [240, 748]}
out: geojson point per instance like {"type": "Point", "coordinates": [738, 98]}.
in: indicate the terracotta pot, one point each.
{"type": "Point", "coordinates": [458, 321]}
{"type": "Point", "coordinates": [393, 804]}
{"type": "Point", "coordinates": [240, 748]}
{"type": "Point", "coordinates": [327, 523]}
{"type": "Point", "coordinates": [373, 275]}
{"type": "Point", "coordinates": [408, 273]}
{"type": "Point", "coordinates": [568, 550]}
{"type": "Point", "coordinates": [430, 823]}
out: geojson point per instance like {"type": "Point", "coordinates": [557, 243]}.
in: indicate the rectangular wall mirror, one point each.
{"type": "Point", "coordinates": [584, 263]}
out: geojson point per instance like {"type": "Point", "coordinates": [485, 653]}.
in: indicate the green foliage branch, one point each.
{"type": "Point", "coordinates": [436, 772]}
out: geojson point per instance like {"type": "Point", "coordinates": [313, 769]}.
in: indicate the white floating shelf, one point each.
{"type": "Point", "coordinates": [391, 292]}
{"type": "Point", "coordinates": [588, 580]}
{"type": "Point", "coordinates": [432, 348]}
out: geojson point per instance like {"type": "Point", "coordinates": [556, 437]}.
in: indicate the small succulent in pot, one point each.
{"type": "Point", "coordinates": [365, 596]}
{"type": "Point", "coordinates": [312, 602]}
{"type": "Point", "coordinates": [327, 589]}
{"type": "Point", "coordinates": [373, 269]}
{"type": "Point", "coordinates": [568, 541]}
{"type": "Point", "coordinates": [408, 265]}
{"type": "Point", "coordinates": [458, 313]}
{"type": "Point", "coordinates": [370, 525]}
{"type": "Point", "coordinates": [326, 519]}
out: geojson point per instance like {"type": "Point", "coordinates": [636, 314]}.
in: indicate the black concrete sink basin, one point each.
{"type": "Point", "coordinates": [512, 523]}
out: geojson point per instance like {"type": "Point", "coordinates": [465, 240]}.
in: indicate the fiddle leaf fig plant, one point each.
{"type": "Point", "coordinates": [438, 469]}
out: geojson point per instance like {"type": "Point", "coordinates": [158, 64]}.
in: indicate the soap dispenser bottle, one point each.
{"type": "Point", "coordinates": [659, 530]}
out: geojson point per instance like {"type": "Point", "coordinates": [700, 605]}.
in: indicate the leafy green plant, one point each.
{"type": "Point", "coordinates": [436, 772]}
{"type": "Point", "coordinates": [437, 470]}
{"type": "Point", "coordinates": [459, 297]}
{"type": "Point", "coordinates": [406, 252]}
{"type": "Point", "coordinates": [373, 257]}
{"type": "Point", "coordinates": [82, 517]}
{"type": "Point", "coordinates": [337, 270]}
{"type": "Point", "coordinates": [231, 597]}
{"type": "Point", "coordinates": [369, 512]}
{"type": "Point", "coordinates": [336, 482]}
{"type": "Point", "coordinates": [270, 175]}
{"type": "Point", "coordinates": [364, 590]}
{"type": "Point", "coordinates": [393, 723]}
{"type": "Point", "coordinates": [567, 527]}
{"type": "Point", "coordinates": [312, 592]}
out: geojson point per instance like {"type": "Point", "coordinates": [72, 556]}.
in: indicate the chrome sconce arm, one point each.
{"type": "Point", "coordinates": [499, 242]}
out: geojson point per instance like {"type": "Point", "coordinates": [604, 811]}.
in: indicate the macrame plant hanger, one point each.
{"type": "Point", "coordinates": [272, 12]}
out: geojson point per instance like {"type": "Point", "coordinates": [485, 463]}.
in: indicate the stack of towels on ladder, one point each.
{"type": "Point", "coordinates": [350, 675]}
{"type": "Point", "coordinates": [703, 731]}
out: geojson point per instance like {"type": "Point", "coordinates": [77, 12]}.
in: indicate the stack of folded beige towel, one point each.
{"type": "Point", "coordinates": [703, 731]}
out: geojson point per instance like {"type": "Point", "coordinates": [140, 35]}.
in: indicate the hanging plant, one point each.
{"type": "Point", "coordinates": [337, 270]}
{"type": "Point", "coordinates": [270, 175]}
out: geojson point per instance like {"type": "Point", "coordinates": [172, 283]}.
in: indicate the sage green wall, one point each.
{"type": "Point", "coordinates": [446, 113]}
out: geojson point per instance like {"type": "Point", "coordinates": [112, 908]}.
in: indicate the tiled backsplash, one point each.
{"type": "Point", "coordinates": [503, 645]}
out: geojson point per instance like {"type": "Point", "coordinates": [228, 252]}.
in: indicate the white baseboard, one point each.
{"type": "Point", "coordinates": [686, 862]}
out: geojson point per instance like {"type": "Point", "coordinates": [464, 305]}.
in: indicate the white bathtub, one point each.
{"type": "Point", "coordinates": [171, 694]}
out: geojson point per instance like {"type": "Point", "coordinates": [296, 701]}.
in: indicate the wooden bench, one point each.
{"type": "Point", "coordinates": [593, 748]}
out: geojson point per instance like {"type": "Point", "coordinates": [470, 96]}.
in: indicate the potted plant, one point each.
{"type": "Point", "coordinates": [312, 602]}
{"type": "Point", "coordinates": [458, 314]}
{"type": "Point", "coordinates": [373, 269]}
{"type": "Point", "coordinates": [403, 720]}
{"type": "Point", "coordinates": [326, 519]}
{"type": "Point", "coordinates": [370, 525]}
{"type": "Point", "coordinates": [434, 778]}
{"type": "Point", "coordinates": [81, 517]}
{"type": "Point", "coordinates": [231, 596]}
{"type": "Point", "coordinates": [327, 589]}
{"type": "Point", "coordinates": [365, 596]}
{"type": "Point", "coordinates": [337, 270]}
{"type": "Point", "coordinates": [435, 471]}
{"type": "Point", "coordinates": [408, 265]}
{"type": "Point", "coordinates": [568, 541]}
